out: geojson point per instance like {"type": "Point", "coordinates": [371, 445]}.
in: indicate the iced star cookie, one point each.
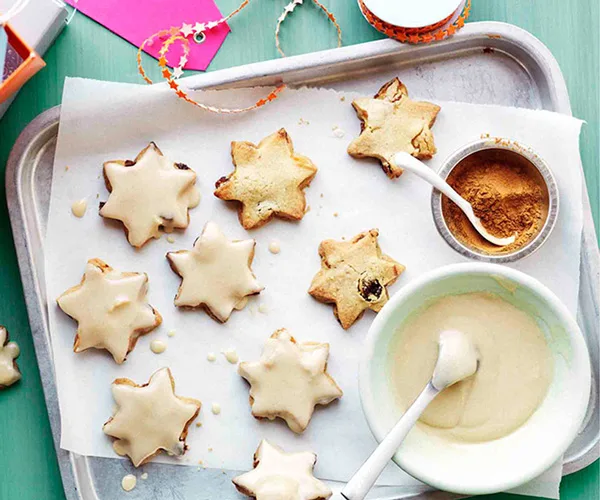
{"type": "Point", "coordinates": [110, 308]}
{"type": "Point", "coordinates": [353, 276]}
{"type": "Point", "coordinates": [391, 122]}
{"type": "Point", "coordinates": [278, 475]}
{"type": "Point", "coordinates": [150, 418]}
{"type": "Point", "coordinates": [216, 273]}
{"type": "Point", "coordinates": [289, 380]}
{"type": "Point", "coordinates": [9, 352]}
{"type": "Point", "coordinates": [148, 194]}
{"type": "Point", "coordinates": [268, 180]}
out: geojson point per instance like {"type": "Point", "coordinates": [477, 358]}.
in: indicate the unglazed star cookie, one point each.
{"type": "Point", "coordinates": [148, 194]}
{"type": "Point", "coordinates": [150, 418]}
{"type": "Point", "coordinates": [289, 380]}
{"type": "Point", "coordinates": [282, 476]}
{"type": "Point", "coordinates": [111, 309]}
{"type": "Point", "coordinates": [9, 352]}
{"type": "Point", "coordinates": [268, 180]}
{"type": "Point", "coordinates": [391, 122]}
{"type": "Point", "coordinates": [353, 276]}
{"type": "Point", "coordinates": [215, 274]}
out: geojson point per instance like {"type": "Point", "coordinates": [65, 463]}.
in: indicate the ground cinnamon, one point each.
{"type": "Point", "coordinates": [507, 193]}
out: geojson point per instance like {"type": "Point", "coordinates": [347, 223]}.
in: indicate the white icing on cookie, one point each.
{"type": "Point", "coordinates": [289, 380]}
{"type": "Point", "coordinates": [216, 273]}
{"type": "Point", "coordinates": [149, 193]}
{"type": "Point", "coordinates": [282, 476]}
{"type": "Point", "coordinates": [9, 351]}
{"type": "Point", "coordinates": [150, 417]}
{"type": "Point", "coordinates": [111, 309]}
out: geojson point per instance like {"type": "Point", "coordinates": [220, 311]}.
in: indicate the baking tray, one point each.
{"type": "Point", "coordinates": [486, 62]}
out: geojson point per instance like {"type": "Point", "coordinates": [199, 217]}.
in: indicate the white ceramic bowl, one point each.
{"type": "Point", "coordinates": [493, 466]}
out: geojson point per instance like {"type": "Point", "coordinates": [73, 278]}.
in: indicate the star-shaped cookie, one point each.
{"type": "Point", "coordinates": [9, 352]}
{"type": "Point", "coordinates": [289, 380]}
{"type": "Point", "coordinates": [353, 276]}
{"type": "Point", "coordinates": [282, 476]}
{"type": "Point", "coordinates": [392, 122]}
{"type": "Point", "coordinates": [148, 194]}
{"type": "Point", "coordinates": [215, 274]}
{"type": "Point", "coordinates": [111, 309]}
{"type": "Point", "coordinates": [150, 418]}
{"type": "Point", "coordinates": [268, 180]}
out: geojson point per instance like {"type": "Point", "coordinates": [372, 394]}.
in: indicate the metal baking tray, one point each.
{"type": "Point", "coordinates": [486, 62]}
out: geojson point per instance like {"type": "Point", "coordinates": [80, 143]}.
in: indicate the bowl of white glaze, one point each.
{"type": "Point", "coordinates": [504, 463]}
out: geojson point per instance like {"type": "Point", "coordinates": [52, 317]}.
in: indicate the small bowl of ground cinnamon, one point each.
{"type": "Point", "coordinates": [511, 190]}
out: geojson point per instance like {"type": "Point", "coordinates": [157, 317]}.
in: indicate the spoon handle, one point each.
{"type": "Point", "coordinates": [364, 479]}
{"type": "Point", "coordinates": [408, 162]}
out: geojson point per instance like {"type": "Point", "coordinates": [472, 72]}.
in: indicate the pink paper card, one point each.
{"type": "Point", "coordinates": [136, 20]}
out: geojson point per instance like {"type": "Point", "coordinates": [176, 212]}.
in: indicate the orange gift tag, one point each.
{"type": "Point", "coordinates": [30, 64]}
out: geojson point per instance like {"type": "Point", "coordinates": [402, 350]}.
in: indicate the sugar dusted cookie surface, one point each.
{"type": "Point", "coordinates": [282, 476]}
{"type": "Point", "coordinates": [289, 380]}
{"type": "Point", "coordinates": [110, 308]}
{"type": "Point", "coordinates": [392, 122]}
{"type": "Point", "coordinates": [354, 275]}
{"type": "Point", "coordinates": [9, 352]}
{"type": "Point", "coordinates": [215, 274]}
{"type": "Point", "coordinates": [148, 194]}
{"type": "Point", "coordinates": [150, 418]}
{"type": "Point", "coordinates": [268, 180]}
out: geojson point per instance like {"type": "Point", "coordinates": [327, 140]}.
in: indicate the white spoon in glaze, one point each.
{"type": "Point", "coordinates": [457, 359]}
{"type": "Point", "coordinates": [408, 162]}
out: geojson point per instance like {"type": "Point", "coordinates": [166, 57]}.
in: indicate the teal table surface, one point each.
{"type": "Point", "coordinates": [28, 466]}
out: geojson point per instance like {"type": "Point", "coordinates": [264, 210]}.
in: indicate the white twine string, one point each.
{"type": "Point", "coordinates": [17, 7]}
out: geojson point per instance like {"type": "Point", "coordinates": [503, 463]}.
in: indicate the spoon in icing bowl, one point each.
{"type": "Point", "coordinates": [408, 162]}
{"type": "Point", "coordinates": [457, 360]}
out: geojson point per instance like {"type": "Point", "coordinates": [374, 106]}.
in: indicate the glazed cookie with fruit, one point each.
{"type": "Point", "coordinates": [392, 122]}
{"type": "Point", "coordinates": [281, 475]}
{"type": "Point", "coordinates": [268, 180]}
{"type": "Point", "coordinates": [215, 273]}
{"type": "Point", "coordinates": [150, 418]}
{"type": "Point", "coordinates": [149, 193]}
{"type": "Point", "coordinates": [111, 309]}
{"type": "Point", "coordinates": [354, 275]}
{"type": "Point", "coordinates": [9, 352]}
{"type": "Point", "coordinates": [289, 380]}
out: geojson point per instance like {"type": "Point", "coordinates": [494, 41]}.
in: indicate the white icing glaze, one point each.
{"type": "Point", "coordinates": [9, 351]}
{"type": "Point", "coordinates": [151, 193]}
{"type": "Point", "coordinates": [215, 273]}
{"type": "Point", "coordinates": [231, 356]}
{"type": "Point", "coordinates": [79, 207]}
{"type": "Point", "coordinates": [150, 418]}
{"type": "Point", "coordinates": [111, 309]}
{"type": "Point", "coordinates": [158, 346]}
{"type": "Point", "coordinates": [282, 476]}
{"type": "Point", "coordinates": [128, 482]}
{"type": "Point", "coordinates": [289, 380]}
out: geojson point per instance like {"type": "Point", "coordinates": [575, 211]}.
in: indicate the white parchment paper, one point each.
{"type": "Point", "coordinates": [104, 121]}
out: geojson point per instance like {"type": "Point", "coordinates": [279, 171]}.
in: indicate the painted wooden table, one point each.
{"type": "Point", "coordinates": [28, 468]}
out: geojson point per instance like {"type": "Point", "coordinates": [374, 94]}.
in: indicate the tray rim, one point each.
{"type": "Point", "coordinates": [72, 466]}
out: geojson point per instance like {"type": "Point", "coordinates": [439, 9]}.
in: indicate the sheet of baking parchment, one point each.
{"type": "Point", "coordinates": [103, 121]}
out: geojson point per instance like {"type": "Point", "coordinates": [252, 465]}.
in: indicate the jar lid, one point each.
{"type": "Point", "coordinates": [412, 13]}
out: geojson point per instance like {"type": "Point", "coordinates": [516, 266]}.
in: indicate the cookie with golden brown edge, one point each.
{"type": "Point", "coordinates": [9, 352]}
{"type": "Point", "coordinates": [111, 309]}
{"type": "Point", "coordinates": [392, 122]}
{"type": "Point", "coordinates": [150, 418]}
{"type": "Point", "coordinates": [215, 273]}
{"type": "Point", "coordinates": [281, 475]}
{"type": "Point", "coordinates": [289, 380]}
{"type": "Point", "coordinates": [354, 275]}
{"type": "Point", "coordinates": [268, 180]}
{"type": "Point", "coordinates": [149, 194]}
